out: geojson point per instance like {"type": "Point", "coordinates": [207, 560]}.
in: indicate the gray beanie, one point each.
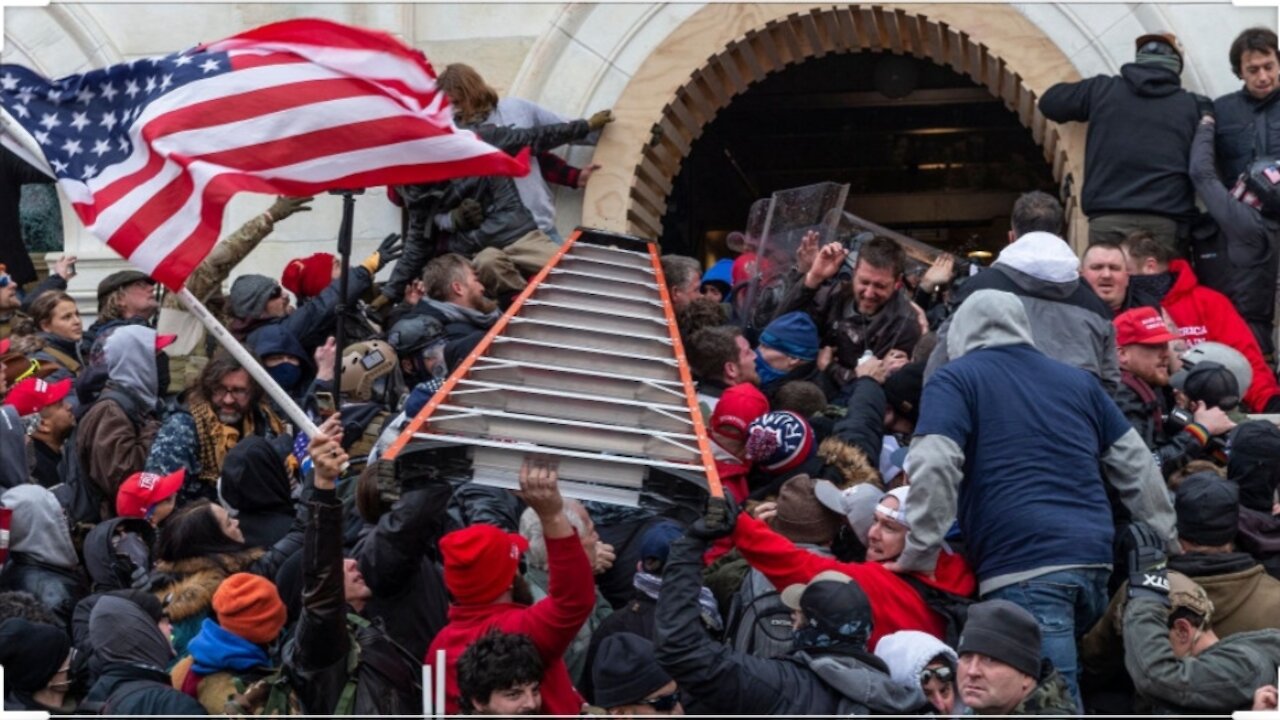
{"type": "Point", "coordinates": [1005, 632]}
{"type": "Point", "coordinates": [249, 296]}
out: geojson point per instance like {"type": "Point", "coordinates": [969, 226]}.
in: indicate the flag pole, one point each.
{"type": "Point", "coordinates": [246, 359]}
{"type": "Point", "coordinates": [344, 261]}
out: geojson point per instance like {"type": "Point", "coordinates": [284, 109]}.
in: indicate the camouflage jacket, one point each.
{"type": "Point", "coordinates": [1051, 696]}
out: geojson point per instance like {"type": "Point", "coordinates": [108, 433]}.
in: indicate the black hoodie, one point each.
{"type": "Point", "coordinates": [1141, 123]}
{"type": "Point", "coordinates": [255, 486]}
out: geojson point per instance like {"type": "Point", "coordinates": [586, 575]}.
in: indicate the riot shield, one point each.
{"type": "Point", "coordinates": [778, 224]}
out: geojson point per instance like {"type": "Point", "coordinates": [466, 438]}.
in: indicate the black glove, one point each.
{"type": "Point", "coordinates": [718, 520]}
{"type": "Point", "coordinates": [1203, 105]}
{"type": "Point", "coordinates": [1148, 571]}
{"type": "Point", "coordinates": [467, 216]}
{"type": "Point", "coordinates": [390, 250]}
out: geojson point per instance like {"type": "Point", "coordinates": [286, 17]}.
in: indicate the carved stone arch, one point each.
{"type": "Point", "coordinates": [996, 47]}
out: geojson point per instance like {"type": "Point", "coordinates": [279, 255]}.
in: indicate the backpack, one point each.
{"type": "Point", "coordinates": [275, 694]}
{"type": "Point", "coordinates": [954, 609]}
{"type": "Point", "coordinates": [758, 623]}
{"type": "Point", "coordinates": [77, 493]}
{"type": "Point", "coordinates": [272, 695]}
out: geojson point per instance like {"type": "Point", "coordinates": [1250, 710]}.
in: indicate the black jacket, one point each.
{"type": "Point", "coordinates": [1247, 128]}
{"type": "Point", "coordinates": [314, 321]}
{"type": "Point", "coordinates": [725, 681]}
{"type": "Point", "coordinates": [58, 589]}
{"type": "Point", "coordinates": [396, 561]}
{"type": "Point", "coordinates": [1173, 447]}
{"type": "Point", "coordinates": [140, 691]}
{"type": "Point", "coordinates": [506, 219]}
{"type": "Point", "coordinates": [1140, 127]}
{"type": "Point", "coordinates": [316, 657]}
{"type": "Point", "coordinates": [1240, 259]}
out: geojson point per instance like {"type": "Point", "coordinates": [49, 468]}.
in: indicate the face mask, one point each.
{"type": "Point", "coordinates": [286, 375]}
{"type": "Point", "coordinates": [766, 371]}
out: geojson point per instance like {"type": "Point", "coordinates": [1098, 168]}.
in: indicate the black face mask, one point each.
{"type": "Point", "coordinates": [1157, 285]}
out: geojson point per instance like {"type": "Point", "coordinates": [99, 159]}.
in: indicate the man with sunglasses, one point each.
{"type": "Point", "coordinates": [13, 302]}
{"type": "Point", "coordinates": [1141, 123]}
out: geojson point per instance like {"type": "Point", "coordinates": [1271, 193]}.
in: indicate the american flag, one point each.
{"type": "Point", "coordinates": [150, 152]}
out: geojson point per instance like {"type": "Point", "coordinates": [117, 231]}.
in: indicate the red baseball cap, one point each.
{"type": "Point", "coordinates": [1141, 326]}
{"type": "Point", "coordinates": [33, 394]}
{"type": "Point", "coordinates": [164, 341]}
{"type": "Point", "coordinates": [144, 490]}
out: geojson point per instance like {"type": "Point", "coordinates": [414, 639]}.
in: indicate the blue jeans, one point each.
{"type": "Point", "coordinates": [1066, 604]}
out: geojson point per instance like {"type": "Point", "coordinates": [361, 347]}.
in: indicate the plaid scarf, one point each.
{"type": "Point", "coordinates": [217, 438]}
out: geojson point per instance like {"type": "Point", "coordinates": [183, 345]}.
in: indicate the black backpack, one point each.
{"type": "Point", "coordinates": [77, 493]}
{"type": "Point", "coordinates": [953, 608]}
{"type": "Point", "coordinates": [757, 622]}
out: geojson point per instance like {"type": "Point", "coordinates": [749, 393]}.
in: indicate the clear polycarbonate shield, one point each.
{"type": "Point", "coordinates": [776, 226]}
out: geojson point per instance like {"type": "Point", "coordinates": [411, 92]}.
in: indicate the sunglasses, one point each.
{"type": "Point", "coordinates": [5, 280]}
{"type": "Point", "coordinates": [663, 703]}
{"type": "Point", "coordinates": [943, 674]}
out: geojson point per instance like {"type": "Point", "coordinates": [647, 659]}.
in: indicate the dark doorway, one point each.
{"type": "Point", "coordinates": [926, 151]}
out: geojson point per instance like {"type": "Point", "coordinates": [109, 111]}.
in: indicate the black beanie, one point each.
{"type": "Point", "coordinates": [1005, 632]}
{"type": "Point", "coordinates": [31, 653]}
{"type": "Point", "coordinates": [1254, 463]}
{"type": "Point", "coordinates": [903, 390]}
{"type": "Point", "coordinates": [626, 671]}
{"type": "Point", "coordinates": [1208, 509]}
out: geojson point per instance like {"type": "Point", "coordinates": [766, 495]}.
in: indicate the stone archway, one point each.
{"type": "Point", "coordinates": [665, 107]}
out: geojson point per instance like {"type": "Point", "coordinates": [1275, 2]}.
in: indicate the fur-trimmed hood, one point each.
{"type": "Point", "coordinates": [850, 461]}
{"type": "Point", "coordinates": [192, 581]}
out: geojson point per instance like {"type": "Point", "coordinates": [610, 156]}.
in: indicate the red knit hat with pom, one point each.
{"type": "Point", "coordinates": [309, 276]}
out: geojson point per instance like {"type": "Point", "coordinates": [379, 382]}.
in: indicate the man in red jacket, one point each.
{"type": "Point", "coordinates": [1200, 313]}
{"type": "Point", "coordinates": [480, 564]}
{"type": "Point", "coordinates": [895, 603]}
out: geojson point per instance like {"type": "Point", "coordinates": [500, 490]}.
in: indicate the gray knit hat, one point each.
{"type": "Point", "coordinates": [249, 296]}
{"type": "Point", "coordinates": [1005, 632]}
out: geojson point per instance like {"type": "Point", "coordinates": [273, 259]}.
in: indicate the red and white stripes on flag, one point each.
{"type": "Point", "coordinates": [293, 108]}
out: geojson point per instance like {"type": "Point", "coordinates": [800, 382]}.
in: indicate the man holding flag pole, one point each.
{"type": "Point", "coordinates": [149, 152]}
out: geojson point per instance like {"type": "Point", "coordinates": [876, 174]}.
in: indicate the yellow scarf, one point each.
{"type": "Point", "coordinates": [216, 438]}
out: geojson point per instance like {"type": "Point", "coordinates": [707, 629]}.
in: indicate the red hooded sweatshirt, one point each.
{"type": "Point", "coordinates": [1203, 314]}
{"type": "Point", "coordinates": [895, 605]}
{"type": "Point", "coordinates": [551, 623]}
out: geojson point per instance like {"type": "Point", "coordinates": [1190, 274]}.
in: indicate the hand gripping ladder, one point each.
{"type": "Point", "coordinates": [586, 367]}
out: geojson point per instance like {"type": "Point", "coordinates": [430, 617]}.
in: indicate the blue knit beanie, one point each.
{"type": "Point", "coordinates": [792, 334]}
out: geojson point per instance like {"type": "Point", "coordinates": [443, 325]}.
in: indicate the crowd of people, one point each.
{"type": "Point", "coordinates": [1030, 488]}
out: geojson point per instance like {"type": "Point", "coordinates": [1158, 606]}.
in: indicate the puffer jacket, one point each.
{"type": "Point", "coordinates": [1248, 128]}
{"type": "Point", "coordinates": [506, 219]}
{"type": "Point", "coordinates": [724, 681]}
{"type": "Point", "coordinates": [388, 679]}
{"type": "Point", "coordinates": [1240, 260]}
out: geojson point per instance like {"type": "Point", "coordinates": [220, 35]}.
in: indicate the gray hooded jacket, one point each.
{"type": "Point", "coordinates": [1067, 320]}
{"type": "Point", "coordinates": [131, 361]}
